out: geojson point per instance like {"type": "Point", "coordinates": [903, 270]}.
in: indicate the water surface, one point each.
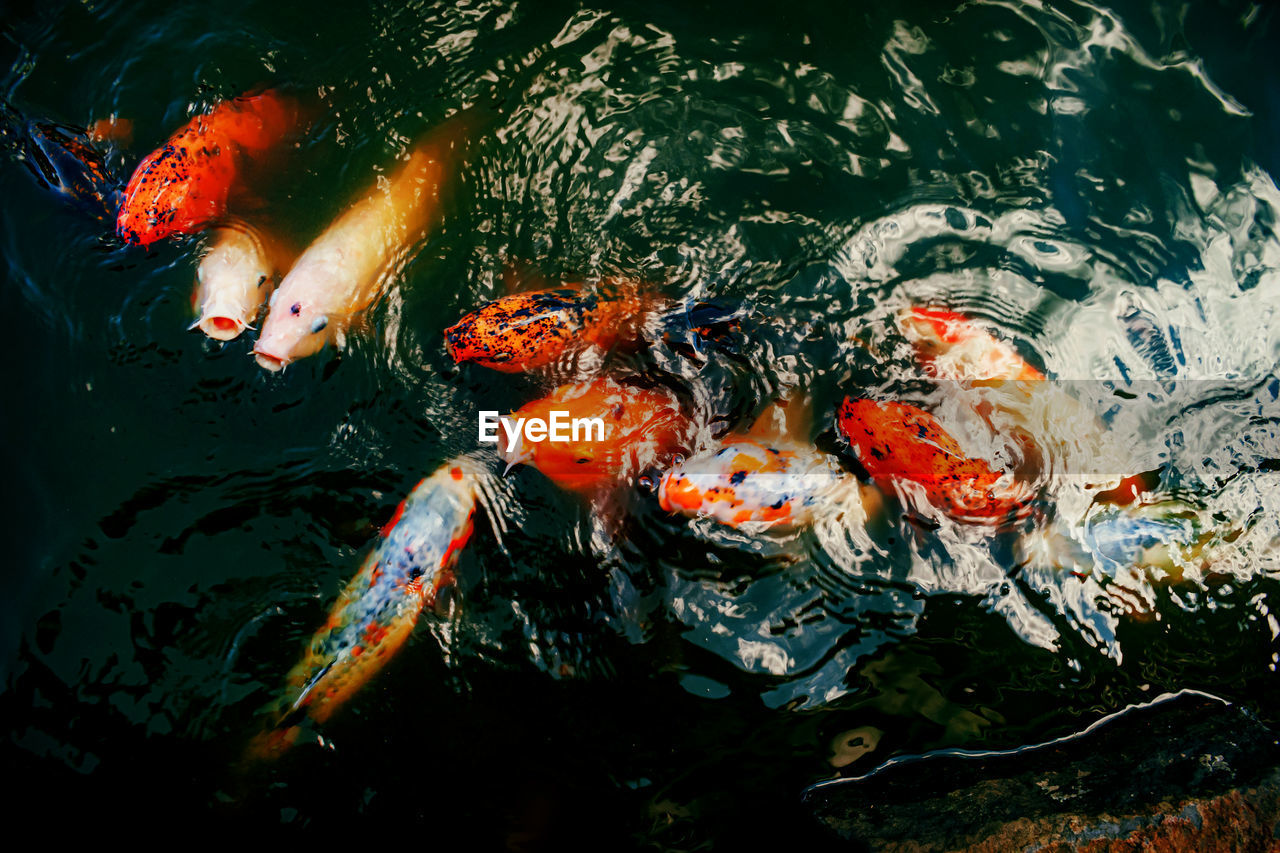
{"type": "Point", "coordinates": [1095, 184]}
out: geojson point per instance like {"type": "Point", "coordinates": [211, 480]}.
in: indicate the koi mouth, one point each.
{"type": "Point", "coordinates": [267, 361]}
{"type": "Point", "coordinates": [220, 327]}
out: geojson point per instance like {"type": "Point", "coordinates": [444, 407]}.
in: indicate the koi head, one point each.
{"type": "Point", "coordinates": [595, 434]}
{"type": "Point", "coordinates": [233, 281]}
{"type": "Point", "coordinates": [521, 331]}
{"type": "Point", "coordinates": [178, 189]}
{"type": "Point", "coordinates": [295, 328]}
{"type": "Point", "coordinates": [747, 481]}
{"type": "Point", "coordinates": [898, 441]}
{"type": "Point", "coordinates": [183, 186]}
{"type": "Point", "coordinates": [957, 348]}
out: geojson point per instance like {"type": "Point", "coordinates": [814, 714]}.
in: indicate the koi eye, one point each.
{"type": "Point", "coordinates": [295, 309]}
{"type": "Point", "coordinates": [318, 324]}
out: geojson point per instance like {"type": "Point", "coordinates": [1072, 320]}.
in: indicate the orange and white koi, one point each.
{"type": "Point", "coordinates": [642, 428]}
{"type": "Point", "coordinates": [182, 187]}
{"type": "Point", "coordinates": [900, 442]}
{"type": "Point", "coordinates": [957, 348]}
{"type": "Point", "coordinates": [376, 612]}
{"type": "Point", "coordinates": [235, 277]}
{"type": "Point", "coordinates": [524, 331]}
{"type": "Point", "coordinates": [766, 478]}
{"type": "Point", "coordinates": [348, 266]}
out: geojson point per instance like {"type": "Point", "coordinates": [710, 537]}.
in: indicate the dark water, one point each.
{"type": "Point", "coordinates": [1095, 182]}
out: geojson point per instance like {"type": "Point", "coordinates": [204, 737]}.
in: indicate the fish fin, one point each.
{"type": "Point", "coordinates": [309, 686]}
{"type": "Point", "coordinates": [519, 276]}
{"type": "Point", "coordinates": [790, 418]}
{"type": "Point", "coordinates": [113, 129]}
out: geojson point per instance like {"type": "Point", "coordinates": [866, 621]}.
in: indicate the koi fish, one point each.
{"type": "Point", "coordinates": [898, 441]}
{"type": "Point", "coordinates": [65, 160]}
{"type": "Point", "coordinates": [764, 477]}
{"type": "Point", "coordinates": [1160, 539]}
{"type": "Point", "coordinates": [348, 266]}
{"type": "Point", "coordinates": [524, 331]}
{"type": "Point", "coordinates": [235, 277]}
{"type": "Point", "coordinates": [1017, 400]}
{"type": "Point", "coordinates": [956, 348]}
{"type": "Point", "coordinates": [182, 187]}
{"type": "Point", "coordinates": [377, 611]}
{"type": "Point", "coordinates": [642, 428]}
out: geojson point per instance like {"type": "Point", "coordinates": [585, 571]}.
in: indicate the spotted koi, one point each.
{"type": "Point", "coordinates": [773, 485]}
{"type": "Point", "coordinates": [898, 441]}
{"type": "Point", "coordinates": [377, 611]}
{"type": "Point", "coordinates": [183, 186]}
{"type": "Point", "coordinates": [524, 331]}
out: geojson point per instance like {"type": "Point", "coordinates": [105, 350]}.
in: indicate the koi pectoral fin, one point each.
{"type": "Point", "coordinates": [296, 707]}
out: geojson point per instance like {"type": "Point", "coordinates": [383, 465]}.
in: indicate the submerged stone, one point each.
{"type": "Point", "coordinates": [1185, 772]}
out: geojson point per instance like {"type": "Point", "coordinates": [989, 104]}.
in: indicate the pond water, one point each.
{"type": "Point", "coordinates": [1092, 184]}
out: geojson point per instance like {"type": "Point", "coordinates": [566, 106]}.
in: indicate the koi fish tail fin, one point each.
{"type": "Point", "coordinates": [459, 130]}
{"type": "Point", "coordinates": [494, 494]}
{"type": "Point", "coordinates": [112, 130]}
{"type": "Point", "coordinates": [452, 139]}
{"type": "Point", "coordinates": [697, 328]}
{"type": "Point", "coordinates": [270, 744]}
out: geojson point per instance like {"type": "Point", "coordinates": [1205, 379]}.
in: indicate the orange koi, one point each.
{"type": "Point", "coordinates": [182, 187]}
{"type": "Point", "coordinates": [524, 331]}
{"type": "Point", "coordinates": [898, 441]}
{"type": "Point", "coordinates": [955, 348]}
{"type": "Point", "coordinates": [643, 427]}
